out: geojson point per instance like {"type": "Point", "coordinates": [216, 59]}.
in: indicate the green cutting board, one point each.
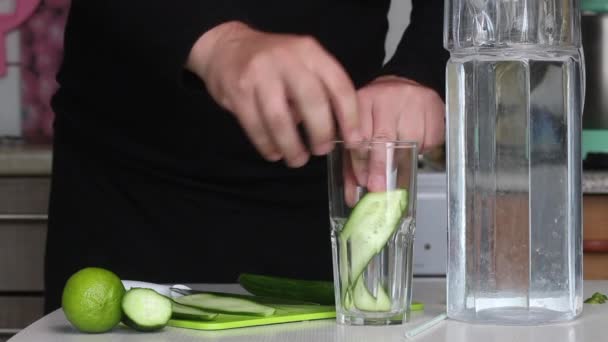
{"type": "Point", "coordinates": [283, 314]}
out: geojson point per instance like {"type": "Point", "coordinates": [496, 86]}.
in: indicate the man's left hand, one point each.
{"type": "Point", "coordinates": [395, 108]}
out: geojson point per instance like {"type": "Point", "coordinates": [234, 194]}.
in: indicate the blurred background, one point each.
{"type": "Point", "coordinates": [33, 55]}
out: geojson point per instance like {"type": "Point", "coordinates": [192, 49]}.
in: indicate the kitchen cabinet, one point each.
{"type": "Point", "coordinates": [23, 209]}
{"type": "Point", "coordinates": [595, 236]}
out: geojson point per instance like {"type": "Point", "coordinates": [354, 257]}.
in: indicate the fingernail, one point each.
{"type": "Point", "coordinates": [324, 148]}
{"type": "Point", "coordinates": [362, 178]}
{"type": "Point", "coordinates": [299, 161]}
{"type": "Point", "coordinates": [376, 183]}
{"type": "Point", "coordinates": [275, 156]}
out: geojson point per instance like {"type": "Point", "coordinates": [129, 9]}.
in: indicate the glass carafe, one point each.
{"type": "Point", "coordinates": [514, 102]}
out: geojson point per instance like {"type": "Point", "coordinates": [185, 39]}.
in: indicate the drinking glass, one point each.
{"type": "Point", "coordinates": [372, 206]}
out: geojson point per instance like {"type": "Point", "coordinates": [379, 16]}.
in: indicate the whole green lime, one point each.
{"type": "Point", "coordinates": [91, 300]}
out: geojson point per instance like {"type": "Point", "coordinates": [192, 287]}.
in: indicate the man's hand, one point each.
{"type": "Point", "coordinates": [272, 82]}
{"type": "Point", "coordinates": [393, 108]}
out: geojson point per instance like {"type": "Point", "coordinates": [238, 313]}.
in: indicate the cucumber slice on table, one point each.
{"type": "Point", "coordinates": [321, 292]}
{"type": "Point", "coordinates": [254, 298]}
{"type": "Point", "coordinates": [181, 311]}
{"type": "Point", "coordinates": [225, 304]}
{"type": "Point", "coordinates": [145, 309]}
{"type": "Point", "coordinates": [372, 222]}
{"type": "Point", "coordinates": [264, 300]}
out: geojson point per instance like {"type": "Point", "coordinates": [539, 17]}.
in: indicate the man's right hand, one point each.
{"type": "Point", "coordinates": [272, 82]}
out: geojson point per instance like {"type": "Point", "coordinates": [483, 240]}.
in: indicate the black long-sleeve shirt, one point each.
{"type": "Point", "coordinates": [146, 163]}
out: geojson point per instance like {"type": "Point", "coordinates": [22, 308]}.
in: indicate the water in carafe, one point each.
{"type": "Point", "coordinates": [514, 105]}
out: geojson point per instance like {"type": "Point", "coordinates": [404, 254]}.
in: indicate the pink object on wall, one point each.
{"type": "Point", "coordinates": [41, 55]}
{"type": "Point", "coordinates": [9, 21]}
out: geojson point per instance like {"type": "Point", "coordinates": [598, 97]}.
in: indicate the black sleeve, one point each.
{"type": "Point", "coordinates": [159, 34]}
{"type": "Point", "coordinates": [420, 55]}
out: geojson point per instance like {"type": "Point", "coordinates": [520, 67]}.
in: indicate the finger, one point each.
{"type": "Point", "coordinates": [360, 160]}
{"type": "Point", "coordinates": [411, 127]}
{"type": "Point", "coordinates": [366, 105]}
{"type": "Point", "coordinates": [434, 134]}
{"type": "Point", "coordinates": [405, 160]}
{"type": "Point", "coordinates": [306, 93]}
{"type": "Point", "coordinates": [341, 91]}
{"type": "Point", "coordinates": [385, 129]}
{"type": "Point", "coordinates": [250, 120]}
{"type": "Point", "coordinates": [274, 110]}
{"type": "Point", "coordinates": [350, 182]}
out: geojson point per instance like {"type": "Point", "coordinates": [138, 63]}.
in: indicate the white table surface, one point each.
{"type": "Point", "coordinates": [592, 326]}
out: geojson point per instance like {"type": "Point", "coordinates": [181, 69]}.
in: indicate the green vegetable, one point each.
{"type": "Point", "coordinates": [180, 311]}
{"type": "Point", "coordinates": [372, 222]}
{"type": "Point", "coordinates": [225, 304]}
{"type": "Point", "coordinates": [254, 298]}
{"type": "Point", "coordinates": [145, 309]}
{"type": "Point", "coordinates": [321, 292]}
{"type": "Point", "coordinates": [365, 301]}
{"type": "Point", "coordinates": [325, 290]}
{"type": "Point", "coordinates": [597, 298]}
{"type": "Point", "coordinates": [601, 295]}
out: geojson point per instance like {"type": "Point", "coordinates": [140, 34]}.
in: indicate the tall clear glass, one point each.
{"type": "Point", "coordinates": [514, 103]}
{"type": "Point", "coordinates": [372, 230]}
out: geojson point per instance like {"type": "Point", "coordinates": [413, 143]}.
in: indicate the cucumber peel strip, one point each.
{"type": "Point", "coordinates": [372, 222]}
{"type": "Point", "coordinates": [180, 311]}
{"type": "Point", "coordinates": [365, 301]}
{"type": "Point", "coordinates": [226, 305]}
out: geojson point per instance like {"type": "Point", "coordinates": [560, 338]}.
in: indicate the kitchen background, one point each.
{"type": "Point", "coordinates": [32, 52]}
{"type": "Point", "coordinates": [33, 55]}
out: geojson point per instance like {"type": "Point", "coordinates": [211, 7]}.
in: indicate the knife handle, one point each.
{"type": "Point", "coordinates": [595, 246]}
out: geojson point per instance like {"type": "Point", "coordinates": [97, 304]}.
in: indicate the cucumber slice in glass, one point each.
{"type": "Point", "coordinates": [365, 301]}
{"type": "Point", "coordinates": [372, 222]}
